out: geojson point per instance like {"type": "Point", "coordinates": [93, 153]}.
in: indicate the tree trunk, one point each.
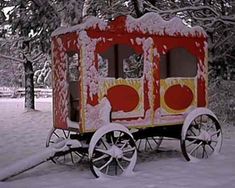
{"type": "Point", "coordinates": [137, 8]}
{"type": "Point", "coordinates": [29, 85]}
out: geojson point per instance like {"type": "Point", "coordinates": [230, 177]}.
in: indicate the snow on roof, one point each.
{"type": "Point", "coordinates": [151, 23]}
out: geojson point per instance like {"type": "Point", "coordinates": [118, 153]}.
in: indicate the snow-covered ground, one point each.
{"type": "Point", "coordinates": [24, 133]}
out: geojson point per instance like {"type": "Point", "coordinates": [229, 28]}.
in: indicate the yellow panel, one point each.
{"type": "Point", "coordinates": [136, 84]}
{"type": "Point", "coordinates": [166, 83]}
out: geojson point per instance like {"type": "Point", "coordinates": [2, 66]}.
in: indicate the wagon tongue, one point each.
{"type": "Point", "coordinates": [60, 148]}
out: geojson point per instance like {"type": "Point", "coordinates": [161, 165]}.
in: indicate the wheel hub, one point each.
{"type": "Point", "coordinates": [205, 136]}
{"type": "Point", "coordinates": [116, 152]}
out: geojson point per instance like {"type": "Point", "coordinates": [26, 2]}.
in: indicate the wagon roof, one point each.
{"type": "Point", "coordinates": [149, 24]}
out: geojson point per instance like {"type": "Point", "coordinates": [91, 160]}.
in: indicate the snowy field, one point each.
{"type": "Point", "coordinates": [24, 133]}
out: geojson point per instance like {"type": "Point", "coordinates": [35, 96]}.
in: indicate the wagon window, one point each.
{"type": "Point", "coordinates": [178, 62]}
{"type": "Point", "coordinates": [73, 60]}
{"type": "Point", "coordinates": [120, 61]}
{"type": "Point", "coordinates": [73, 89]}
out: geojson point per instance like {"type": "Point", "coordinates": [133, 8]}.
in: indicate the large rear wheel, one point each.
{"type": "Point", "coordinates": [201, 135]}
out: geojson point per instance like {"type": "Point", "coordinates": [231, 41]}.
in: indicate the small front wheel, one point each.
{"type": "Point", "coordinates": [56, 136]}
{"type": "Point", "coordinates": [112, 151]}
{"type": "Point", "coordinates": [149, 143]}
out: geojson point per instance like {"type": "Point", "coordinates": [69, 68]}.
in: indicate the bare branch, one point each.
{"type": "Point", "coordinates": [184, 9]}
{"type": "Point", "coordinates": [11, 58]}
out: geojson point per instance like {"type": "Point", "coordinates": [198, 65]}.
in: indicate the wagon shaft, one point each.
{"type": "Point", "coordinates": [23, 165]}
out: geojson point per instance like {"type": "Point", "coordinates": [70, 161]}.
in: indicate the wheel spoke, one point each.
{"type": "Point", "coordinates": [147, 140]}
{"type": "Point", "coordinates": [214, 133]}
{"type": "Point", "coordinates": [100, 158]}
{"type": "Point", "coordinates": [78, 154]}
{"type": "Point", "coordinates": [204, 148]}
{"type": "Point", "coordinates": [116, 167]}
{"type": "Point", "coordinates": [157, 141]}
{"type": "Point", "coordinates": [129, 150]}
{"type": "Point", "coordinates": [71, 156]}
{"type": "Point", "coordinates": [120, 133]}
{"type": "Point", "coordinates": [194, 121]}
{"type": "Point", "coordinates": [56, 134]}
{"type": "Point", "coordinates": [195, 148]}
{"type": "Point", "coordinates": [193, 137]}
{"type": "Point", "coordinates": [64, 134]}
{"type": "Point", "coordinates": [191, 130]}
{"type": "Point", "coordinates": [140, 140]}
{"type": "Point", "coordinates": [105, 144]}
{"type": "Point", "coordinates": [209, 127]}
{"type": "Point", "coordinates": [111, 138]}
{"type": "Point", "coordinates": [107, 170]}
{"type": "Point", "coordinates": [145, 144]}
{"type": "Point", "coordinates": [119, 165]}
{"type": "Point", "coordinates": [191, 143]}
{"type": "Point", "coordinates": [203, 151]}
{"type": "Point", "coordinates": [106, 164]}
{"type": "Point", "coordinates": [125, 144]}
{"type": "Point", "coordinates": [211, 147]}
{"type": "Point", "coordinates": [68, 134]}
{"type": "Point", "coordinates": [126, 159]}
{"type": "Point", "coordinates": [103, 151]}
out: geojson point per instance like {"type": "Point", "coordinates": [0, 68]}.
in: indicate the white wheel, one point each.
{"type": "Point", "coordinates": [201, 135]}
{"type": "Point", "coordinates": [58, 135]}
{"type": "Point", "coordinates": [149, 143]}
{"type": "Point", "coordinates": [112, 151]}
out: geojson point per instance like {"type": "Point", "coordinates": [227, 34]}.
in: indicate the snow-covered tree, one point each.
{"type": "Point", "coordinates": [42, 76]}
{"type": "Point", "coordinates": [10, 66]}
{"type": "Point", "coordinates": [217, 17]}
{"type": "Point", "coordinates": [33, 21]}
{"type": "Point", "coordinates": [108, 9]}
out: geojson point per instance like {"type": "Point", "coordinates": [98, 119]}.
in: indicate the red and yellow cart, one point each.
{"type": "Point", "coordinates": [123, 85]}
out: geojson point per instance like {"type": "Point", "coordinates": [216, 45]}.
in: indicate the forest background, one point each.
{"type": "Point", "coordinates": [26, 27]}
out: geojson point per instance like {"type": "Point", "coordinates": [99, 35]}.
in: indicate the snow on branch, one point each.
{"type": "Point", "coordinates": [220, 41]}
{"type": "Point", "coordinates": [190, 8]}
{"type": "Point", "coordinates": [11, 58]}
{"type": "Point", "coordinates": [150, 7]}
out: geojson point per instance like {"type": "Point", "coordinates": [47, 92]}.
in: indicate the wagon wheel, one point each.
{"type": "Point", "coordinates": [149, 143]}
{"type": "Point", "coordinates": [54, 137]}
{"type": "Point", "coordinates": [201, 135]}
{"type": "Point", "coordinates": [112, 151]}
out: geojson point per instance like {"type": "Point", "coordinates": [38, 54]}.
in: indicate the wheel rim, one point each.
{"type": "Point", "coordinates": [149, 143]}
{"type": "Point", "coordinates": [114, 154]}
{"type": "Point", "coordinates": [54, 137]}
{"type": "Point", "coordinates": [202, 138]}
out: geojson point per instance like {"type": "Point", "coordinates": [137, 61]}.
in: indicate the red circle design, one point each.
{"type": "Point", "coordinates": [123, 98]}
{"type": "Point", "coordinates": [178, 97]}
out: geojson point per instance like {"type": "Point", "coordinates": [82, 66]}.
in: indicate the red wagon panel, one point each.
{"type": "Point", "coordinates": [163, 89]}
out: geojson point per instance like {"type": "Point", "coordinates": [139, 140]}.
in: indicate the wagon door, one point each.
{"type": "Point", "coordinates": [121, 81]}
{"type": "Point", "coordinates": [178, 84]}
